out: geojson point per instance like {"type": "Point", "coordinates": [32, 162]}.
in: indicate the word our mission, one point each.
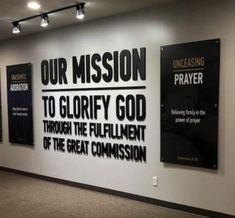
{"type": "Point", "coordinates": [117, 66]}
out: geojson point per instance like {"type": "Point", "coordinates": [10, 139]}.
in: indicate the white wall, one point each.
{"type": "Point", "coordinates": [169, 24]}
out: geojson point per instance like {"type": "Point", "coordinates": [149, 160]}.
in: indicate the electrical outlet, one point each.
{"type": "Point", "coordinates": [155, 181]}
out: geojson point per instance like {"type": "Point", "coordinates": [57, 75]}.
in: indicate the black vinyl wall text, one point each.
{"type": "Point", "coordinates": [87, 119]}
{"type": "Point", "coordinates": [118, 66]}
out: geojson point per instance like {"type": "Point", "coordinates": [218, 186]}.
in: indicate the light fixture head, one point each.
{"type": "Point", "coordinates": [33, 5]}
{"type": "Point", "coordinates": [16, 28]}
{"type": "Point", "coordinates": [80, 11]}
{"type": "Point", "coordinates": [44, 20]}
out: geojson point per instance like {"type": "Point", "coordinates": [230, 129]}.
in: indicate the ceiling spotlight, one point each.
{"type": "Point", "coordinates": [80, 11]}
{"type": "Point", "coordinates": [44, 20]}
{"type": "Point", "coordinates": [16, 28]}
{"type": "Point", "coordinates": [33, 5]}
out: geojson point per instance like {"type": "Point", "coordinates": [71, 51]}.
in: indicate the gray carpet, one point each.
{"type": "Point", "coordinates": [26, 197]}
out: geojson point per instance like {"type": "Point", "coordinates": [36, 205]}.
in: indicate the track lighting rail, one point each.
{"type": "Point", "coordinates": [79, 7]}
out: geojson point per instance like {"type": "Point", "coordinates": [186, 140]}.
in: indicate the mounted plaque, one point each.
{"type": "Point", "coordinates": [189, 103]}
{"type": "Point", "coordinates": [0, 111]}
{"type": "Point", "coordinates": [19, 93]}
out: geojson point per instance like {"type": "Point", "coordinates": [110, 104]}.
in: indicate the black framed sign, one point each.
{"type": "Point", "coordinates": [0, 111]}
{"type": "Point", "coordinates": [19, 93]}
{"type": "Point", "coordinates": [189, 103]}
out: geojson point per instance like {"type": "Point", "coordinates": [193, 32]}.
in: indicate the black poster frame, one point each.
{"type": "Point", "coordinates": [0, 109]}
{"type": "Point", "coordinates": [189, 103]}
{"type": "Point", "coordinates": [19, 96]}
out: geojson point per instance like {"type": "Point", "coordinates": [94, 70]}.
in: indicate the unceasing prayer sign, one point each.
{"type": "Point", "coordinates": [19, 96]}
{"type": "Point", "coordinates": [189, 103]}
{"type": "Point", "coordinates": [98, 108]}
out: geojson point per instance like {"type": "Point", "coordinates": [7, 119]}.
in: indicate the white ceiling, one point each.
{"type": "Point", "coordinates": [11, 10]}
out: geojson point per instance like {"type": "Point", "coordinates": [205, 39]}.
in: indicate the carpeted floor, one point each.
{"type": "Point", "coordinates": [25, 197]}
